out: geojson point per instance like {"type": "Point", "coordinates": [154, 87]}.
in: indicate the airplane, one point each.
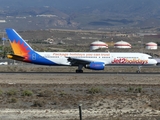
{"type": "Point", "coordinates": [90, 60]}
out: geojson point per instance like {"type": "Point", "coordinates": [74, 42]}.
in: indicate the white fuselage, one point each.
{"type": "Point", "coordinates": [61, 58]}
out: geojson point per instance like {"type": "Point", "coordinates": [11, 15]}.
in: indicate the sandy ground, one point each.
{"type": "Point", "coordinates": [103, 96]}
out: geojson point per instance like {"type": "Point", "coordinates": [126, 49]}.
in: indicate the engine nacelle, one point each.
{"type": "Point", "coordinates": [96, 66]}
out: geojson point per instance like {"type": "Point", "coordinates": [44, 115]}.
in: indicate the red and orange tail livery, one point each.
{"type": "Point", "coordinates": [20, 48]}
{"type": "Point", "coordinates": [23, 52]}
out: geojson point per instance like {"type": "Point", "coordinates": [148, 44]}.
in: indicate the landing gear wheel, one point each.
{"type": "Point", "coordinates": [138, 71]}
{"type": "Point", "coordinates": [79, 71]}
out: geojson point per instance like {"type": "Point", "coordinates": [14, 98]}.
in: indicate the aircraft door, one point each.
{"type": "Point", "coordinates": [111, 59]}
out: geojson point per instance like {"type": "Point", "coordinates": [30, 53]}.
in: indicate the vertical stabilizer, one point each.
{"type": "Point", "coordinates": [19, 46]}
{"type": "Point", "coordinates": [23, 52]}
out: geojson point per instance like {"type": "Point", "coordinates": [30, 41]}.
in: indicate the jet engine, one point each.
{"type": "Point", "coordinates": [96, 66]}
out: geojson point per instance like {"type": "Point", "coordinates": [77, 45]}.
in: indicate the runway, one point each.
{"type": "Point", "coordinates": [38, 69]}
{"type": "Point", "coordinates": [81, 78]}
{"type": "Point", "coordinates": [35, 74]}
{"type": "Point", "coordinates": [85, 73]}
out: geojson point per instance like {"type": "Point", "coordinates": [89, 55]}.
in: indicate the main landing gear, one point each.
{"type": "Point", "coordinates": [79, 70]}
{"type": "Point", "coordinates": [139, 69]}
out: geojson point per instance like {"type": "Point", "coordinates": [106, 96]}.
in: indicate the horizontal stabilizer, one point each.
{"type": "Point", "coordinates": [15, 57]}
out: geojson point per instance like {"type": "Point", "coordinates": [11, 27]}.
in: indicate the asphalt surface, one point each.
{"type": "Point", "coordinates": [85, 73]}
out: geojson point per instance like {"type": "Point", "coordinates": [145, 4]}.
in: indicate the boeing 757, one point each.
{"type": "Point", "coordinates": [90, 60]}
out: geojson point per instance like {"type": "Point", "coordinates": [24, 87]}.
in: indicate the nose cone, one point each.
{"type": "Point", "coordinates": [158, 61]}
{"type": "Point", "coordinates": [154, 62]}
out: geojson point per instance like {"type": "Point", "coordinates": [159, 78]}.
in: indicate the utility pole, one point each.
{"type": "Point", "coordinates": [80, 111]}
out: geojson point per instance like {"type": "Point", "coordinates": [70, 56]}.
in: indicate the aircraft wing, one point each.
{"type": "Point", "coordinates": [78, 61]}
{"type": "Point", "coordinates": [90, 64]}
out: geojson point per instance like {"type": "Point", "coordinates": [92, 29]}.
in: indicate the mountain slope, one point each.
{"type": "Point", "coordinates": [86, 13]}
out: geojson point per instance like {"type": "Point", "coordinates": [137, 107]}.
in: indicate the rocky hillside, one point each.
{"type": "Point", "coordinates": [82, 14]}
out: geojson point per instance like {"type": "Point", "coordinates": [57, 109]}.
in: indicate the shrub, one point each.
{"type": "Point", "coordinates": [1, 92]}
{"type": "Point", "coordinates": [95, 90]}
{"type": "Point", "coordinates": [38, 103]}
{"type": "Point", "coordinates": [27, 93]}
{"type": "Point", "coordinates": [130, 89]}
{"type": "Point", "coordinates": [45, 93]}
{"type": "Point", "coordinates": [138, 90]}
{"type": "Point", "coordinates": [13, 100]}
{"type": "Point", "coordinates": [62, 93]}
{"type": "Point", "coordinates": [134, 90]}
{"type": "Point", "coordinates": [11, 92]}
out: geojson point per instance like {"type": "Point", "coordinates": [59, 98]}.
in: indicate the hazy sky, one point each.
{"type": "Point", "coordinates": [109, 5]}
{"type": "Point", "coordinates": [74, 3]}
{"type": "Point", "coordinates": [56, 3]}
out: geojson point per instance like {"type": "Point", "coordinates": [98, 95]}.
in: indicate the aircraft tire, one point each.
{"type": "Point", "coordinates": [138, 71]}
{"type": "Point", "coordinates": [79, 71]}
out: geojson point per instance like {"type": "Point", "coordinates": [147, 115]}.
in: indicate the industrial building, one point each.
{"type": "Point", "coordinates": [97, 45]}
{"type": "Point", "coordinates": [151, 46]}
{"type": "Point", "coordinates": [122, 44]}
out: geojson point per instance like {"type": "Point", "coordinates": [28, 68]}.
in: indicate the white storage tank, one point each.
{"type": "Point", "coordinates": [151, 46]}
{"type": "Point", "coordinates": [97, 45]}
{"type": "Point", "coordinates": [122, 44]}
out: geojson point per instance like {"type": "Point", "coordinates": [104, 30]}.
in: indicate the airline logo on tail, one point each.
{"type": "Point", "coordinates": [20, 47]}
{"type": "Point", "coordinates": [23, 52]}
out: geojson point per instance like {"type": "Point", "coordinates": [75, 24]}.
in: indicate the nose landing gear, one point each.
{"type": "Point", "coordinates": [139, 69]}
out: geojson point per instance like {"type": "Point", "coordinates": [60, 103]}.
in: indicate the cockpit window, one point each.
{"type": "Point", "coordinates": [150, 57]}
